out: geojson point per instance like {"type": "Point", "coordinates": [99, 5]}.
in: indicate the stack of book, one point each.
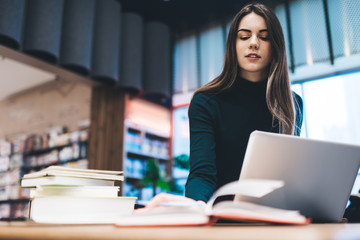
{"type": "Point", "coordinates": [76, 196]}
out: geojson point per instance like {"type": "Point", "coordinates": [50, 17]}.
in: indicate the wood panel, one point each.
{"type": "Point", "coordinates": [107, 128]}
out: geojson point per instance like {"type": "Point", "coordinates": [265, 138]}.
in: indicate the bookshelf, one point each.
{"type": "Point", "coordinates": [13, 202]}
{"type": "Point", "coordinates": [147, 140]}
{"type": "Point", "coordinates": [36, 160]}
{"type": "Point", "coordinates": [31, 153]}
{"type": "Point", "coordinates": [142, 145]}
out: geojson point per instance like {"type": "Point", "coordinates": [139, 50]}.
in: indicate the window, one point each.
{"type": "Point", "coordinates": [181, 132]}
{"type": "Point", "coordinates": [180, 144]}
{"type": "Point", "coordinates": [331, 110]}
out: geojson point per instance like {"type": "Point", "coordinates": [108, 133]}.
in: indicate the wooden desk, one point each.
{"type": "Point", "coordinates": [22, 230]}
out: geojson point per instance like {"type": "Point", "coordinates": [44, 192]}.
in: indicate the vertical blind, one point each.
{"type": "Point", "coordinates": [281, 14]}
{"type": "Point", "coordinates": [308, 32]}
{"type": "Point", "coordinates": [212, 49]}
{"type": "Point", "coordinates": [345, 27]}
{"type": "Point", "coordinates": [185, 65]}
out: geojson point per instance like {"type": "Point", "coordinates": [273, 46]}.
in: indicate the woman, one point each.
{"type": "Point", "coordinates": [252, 93]}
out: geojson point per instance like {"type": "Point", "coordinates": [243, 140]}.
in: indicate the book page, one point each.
{"type": "Point", "coordinates": [250, 187]}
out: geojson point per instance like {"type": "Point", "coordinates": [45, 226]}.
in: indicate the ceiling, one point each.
{"type": "Point", "coordinates": [17, 77]}
{"type": "Point", "coordinates": [180, 15]}
{"type": "Point", "coordinates": [184, 14]}
{"type": "Point", "coordinates": [20, 72]}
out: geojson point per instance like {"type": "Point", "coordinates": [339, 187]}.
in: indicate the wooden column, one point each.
{"type": "Point", "coordinates": [106, 140]}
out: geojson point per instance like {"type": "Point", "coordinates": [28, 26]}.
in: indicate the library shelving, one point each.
{"type": "Point", "coordinates": [32, 153]}
{"type": "Point", "coordinates": [35, 160]}
{"type": "Point", "coordinates": [142, 145]}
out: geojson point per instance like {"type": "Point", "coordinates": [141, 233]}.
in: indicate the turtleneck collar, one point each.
{"type": "Point", "coordinates": [244, 83]}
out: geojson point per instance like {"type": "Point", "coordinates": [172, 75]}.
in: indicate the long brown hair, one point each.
{"type": "Point", "coordinates": [279, 97]}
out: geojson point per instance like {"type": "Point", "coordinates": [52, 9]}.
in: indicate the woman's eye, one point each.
{"type": "Point", "coordinates": [244, 38]}
{"type": "Point", "coordinates": [265, 38]}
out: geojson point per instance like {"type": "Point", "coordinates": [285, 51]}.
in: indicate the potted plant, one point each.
{"type": "Point", "coordinates": [152, 177]}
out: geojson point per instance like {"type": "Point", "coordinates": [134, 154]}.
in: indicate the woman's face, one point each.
{"type": "Point", "coordinates": [253, 48]}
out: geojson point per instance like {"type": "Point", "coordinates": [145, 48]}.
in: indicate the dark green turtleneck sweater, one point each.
{"type": "Point", "coordinates": [220, 126]}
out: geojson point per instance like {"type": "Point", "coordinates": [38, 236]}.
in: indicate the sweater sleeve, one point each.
{"type": "Point", "coordinates": [299, 113]}
{"type": "Point", "coordinates": [201, 182]}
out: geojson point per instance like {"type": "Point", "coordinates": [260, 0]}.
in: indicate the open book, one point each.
{"type": "Point", "coordinates": [191, 213]}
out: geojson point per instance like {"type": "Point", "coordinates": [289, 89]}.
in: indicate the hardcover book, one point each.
{"type": "Point", "coordinates": [79, 210]}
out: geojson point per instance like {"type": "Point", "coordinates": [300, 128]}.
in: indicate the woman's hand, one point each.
{"type": "Point", "coordinates": [167, 197]}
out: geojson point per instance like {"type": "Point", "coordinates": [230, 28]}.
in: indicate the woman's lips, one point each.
{"type": "Point", "coordinates": [252, 56]}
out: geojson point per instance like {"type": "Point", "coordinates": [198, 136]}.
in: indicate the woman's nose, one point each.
{"type": "Point", "coordinates": [254, 42]}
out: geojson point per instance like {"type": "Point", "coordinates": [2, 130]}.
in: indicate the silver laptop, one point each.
{"type": "Point", "coordinates": [318, 175]}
